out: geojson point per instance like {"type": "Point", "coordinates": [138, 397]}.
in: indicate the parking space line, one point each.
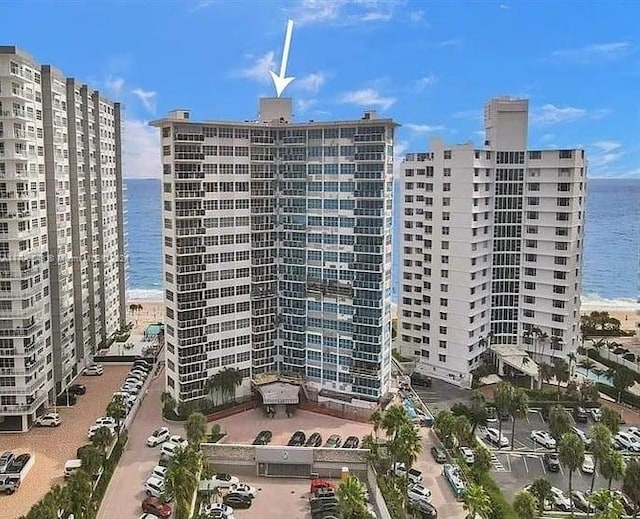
{"type": "Point", "coordinates": [544, 469]}
{"type": "Point", "coordinates": [561, 470]}
{"type": "Point", "coordinates": [526, 467]}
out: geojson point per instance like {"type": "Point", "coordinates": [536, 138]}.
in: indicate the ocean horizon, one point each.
{"type": "Point", "coordinates": [611, 267]}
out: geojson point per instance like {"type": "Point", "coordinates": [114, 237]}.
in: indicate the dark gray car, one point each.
{"type": "Point", "coordinates": [5, 461]}
{"type": "Point", "coordinates": [9, 483]}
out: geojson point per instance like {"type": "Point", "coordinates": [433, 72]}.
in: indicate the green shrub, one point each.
{"type": "Point", "coordinates": [626, 397]}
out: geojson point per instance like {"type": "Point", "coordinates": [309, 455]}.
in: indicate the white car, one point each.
{"type": "Point", "coordinates": [154, 487]}
{"type": "Point", "coordinates": [419, 493]}
{"type": "Point", "coordinates": [588, 465]}
{"type": "Point", "coordinates": [224, 480]}
{"type": "Point", "coordinates": [595, 413]}
{"type": "Point", "coordinates": [95, 428]}
{"type": "Point", "coordinates": [244, 490]}
{"type": "Point", "coordinates": [179, 441]}
{"type": "Point", "coordinates": [414, 476]}
{"type": "Point", "coordinates": [133, 382]}
{"type": "Point", "coordinates": [158, 436]}
{"type": "Point", "coordinates": [494, 436]}
{"type": "Point", "coordinates": [48, 420]}
{"type": "Point", "coordinates": [582, 435]}
{"type": "Point", "coordinates": [627, 441]}
{"type": "Point", "coordinates": [107, 421]}
{"type": "Point", "coordinates": [95, 370]}
{"type": "Point", "coordinates": [633, 431]}
{"type": "Point", "coordinates": [467, 455]}
{"type": "Point", "coordinates": [159, 472]}
{"type": "Point", "coordinates": [560, 501]}
{"type": "Point", "coordinates": [131, 390]}
{"type": "Point", "coordinates": [169, 450]}
{"type": "Point", "coordinates": [212, 507]}
{"type": "Point", "coordinates": [543, 438]}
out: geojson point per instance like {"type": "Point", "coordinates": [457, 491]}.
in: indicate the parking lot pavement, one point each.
{"type": "Point", "coordinates": [125, 491]}
{"type": "Point", "coordinates": [442, 395]}
{"type": "Point", "coordinates": [242, 428]}
{"type": "Point", "coordinates": [52, 447]}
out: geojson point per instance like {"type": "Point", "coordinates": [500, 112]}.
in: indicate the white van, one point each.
{"type": "Point", "coordinates": [72, 466]}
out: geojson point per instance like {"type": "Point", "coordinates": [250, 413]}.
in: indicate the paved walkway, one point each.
{"type": "Point", "coordinates": [125, 492]}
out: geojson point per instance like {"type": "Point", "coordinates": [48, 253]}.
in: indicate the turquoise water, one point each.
{"type": "Point", "coordinates": [153, 330]}
{"type": "Point", "coordinates": [595, 377]}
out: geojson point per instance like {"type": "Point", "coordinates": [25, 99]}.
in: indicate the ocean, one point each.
{"type": "Point", "coordinates": [611, 260]}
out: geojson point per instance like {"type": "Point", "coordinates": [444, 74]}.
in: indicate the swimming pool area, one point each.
{"type": "Point", "coordinates": [153, 330]}
{"type": "Point", "coordinates": [595, 376]}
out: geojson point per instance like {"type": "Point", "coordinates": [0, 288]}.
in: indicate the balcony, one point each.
{"type": "Point", "coordinates": [17, 195]}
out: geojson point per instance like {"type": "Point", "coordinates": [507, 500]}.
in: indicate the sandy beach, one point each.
{"type": "Point", "coordinates": [152, 312]}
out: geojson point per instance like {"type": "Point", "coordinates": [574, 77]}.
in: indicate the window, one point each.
{"type": "Point", "coordinates": [565, 154]}
{"type": "Point", "coordinates": [447, 154]}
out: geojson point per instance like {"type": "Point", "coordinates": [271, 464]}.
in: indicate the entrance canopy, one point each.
{"type": "Point", "coordinates": [277, 393]}
{"type": "Point", "coordinates": [515, 358]}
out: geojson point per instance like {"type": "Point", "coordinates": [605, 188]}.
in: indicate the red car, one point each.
{"type": "Point", "coordinates": [157, 507]}
{"type": "Point", "coordinates": [317, 484]}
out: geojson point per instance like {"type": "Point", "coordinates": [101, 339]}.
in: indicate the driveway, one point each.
{"type": "Point", "coordinates": [125, 492]}
{"type": "Point", "coordinates": [52, 447]}
{"type": "Point", "coordinates": [442, 395]}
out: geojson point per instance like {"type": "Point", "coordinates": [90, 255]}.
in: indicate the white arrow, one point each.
{"type": "Point", "coordinates": [280, 81]}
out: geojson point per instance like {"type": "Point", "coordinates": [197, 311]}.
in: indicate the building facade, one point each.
{"type": "Point", "coordinates": [277, 240]}
{"type": "Point", "coordinates": [492, 245]}
{"type": "Point", "coordinates": [62, 246]}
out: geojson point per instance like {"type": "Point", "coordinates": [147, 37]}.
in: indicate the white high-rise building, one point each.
{"type": "Point", "coordinates": [277, 250]}
{"type": "Point", "coordinates": [62, 247]}
{"type": "Point", "coordinates": [492, 245]}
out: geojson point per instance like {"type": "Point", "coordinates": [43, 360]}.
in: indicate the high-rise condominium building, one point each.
{"type": "Point", "coordinates": [277, 241]}
{"type": "Point", "coordinates": [62, 277]}
{"type": "Point", "coordinates": [492, 244]}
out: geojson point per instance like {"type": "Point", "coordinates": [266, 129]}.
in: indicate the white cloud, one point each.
{"type": "Point", "coordinates": [603, 154]}
{"type": "Point", "coordinates": [454, 42]}
{"type": "Point", "coordinates": [425, 81]}
{"type": "Point", "coordinates": [468, 114]}
{"type": "Point", "coordinates": [344, 12]}
{"type": "Point", "coordinates": [551, 114]}
{"type": "Point", "coordinates": [399, 150]}
{"type": "Point", "coordinates": [505, 7]}
{"type": "Point", "coordinates": [141, 150]}
{"type": "Point", "coordinates": [259, 69]}
{"type": "Point", "coordinates": [416, 16]}
{"type": "Point", "coordinates": [148, 98]}
{"type": "Point", "coordinates": [368, 97]}
{"type": "Point", "coordinates": [547, 137]}
{"type": "Point", "coordinates": [311, 82]}
{"type": "Point", "coordinates": [304, 104]}
{"type": "Point", "coordinates": [607, 146]}
{"type": "Point", "coordinates": [114, 85]}
{"type": "Point", "coordinates": [594, 53]}
{"type": "Point", "coordinates": [203, 4]}
{"type": "Point", "coordinates": [423, 128]}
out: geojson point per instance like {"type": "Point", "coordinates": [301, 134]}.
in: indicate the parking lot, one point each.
{"type": "Point", "coordinates": [52, 447]}
{"type": "Point", "coordinates": [442, 395]}
{"type": "Point", "coordinates": [513, 470]}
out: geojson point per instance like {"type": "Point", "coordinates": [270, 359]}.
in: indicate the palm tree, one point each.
{"type": "Point", "coordinates": [559, 422]}
{"type": "Point", "coordinates": [79, 488]}
{"type": "Point", "coordinates": [181, 480]}
{"type": "Point", "coordinates": [608, 504]}
{"type": "Point", "coordinates": [571, 356]}
{"type": "Point", "coordinates": [518, 408]}
{"type": "Point", "coordinates": [352, 498]}
{"type": "Point", "coordinates": [631, 483]}
{"type": "Point", "coordinates": [571, 456]}
{"type": "Point", "coordinates": [610, 418]}
{"type": "Point", "coordinates": [102, 439]}
{"type": "Point", "coordinates": [444, 425]}
{"type": "Point", "coordinates": [540, 489]}
{"type": "Point", "coordinates": [478, 414]}
{"type": "Point", "coordinates": [376, 420]}
{"type": "Point", "coordinates": [587, 364]}
{"type": "Point", "coordinates": [546, 373]}
{"type": "Point", "coordinates": [212, 386]}
{"type": "Point", "coordinates": [612, 466]}
{"type": "Point", "coordinates": [407, 445]}
{"type": "Point", "coordinates": [117, 410]}
{"type": "Point", "coordinates": [92, 459]}
{"type": "Point", "coordinates": [477, 502]}
{"type": "Point", "coordinates": [462, 430]}
{"type": "Point", "coordinates": [392, 419]}
{"type": "Point", "coordinates": [561, 372]}
{"type": "Point", "coordinates": [502, 397]}
{"type": "Point", "coordinates": [622, 378]}
{"type": "Point", "coordinates": [56, 499]}
{"type": "Point", "coordinates": [196, 429]}
{"type": "Point", "coordinates": [524, 504]}
{"type": "Point", "coordinates": [600, 447]}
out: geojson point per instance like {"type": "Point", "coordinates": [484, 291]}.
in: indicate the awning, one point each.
{"type": "Point", "coordinates": [279, 393]}
{"type": "Point", "coordinates": [517, 359]}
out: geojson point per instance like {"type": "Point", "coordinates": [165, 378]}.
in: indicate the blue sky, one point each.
{"type": "Point", "coordinates": [429, 65]}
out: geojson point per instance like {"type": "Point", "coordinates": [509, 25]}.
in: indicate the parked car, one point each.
{"type": "Point", "coordinates": [95, 428]}
{"type": "Point", "coordinates": [224, 480]}
{"type": "Point", "coordinates": [629, 509]}
{"type": "Point", "coordinates": [419, 493]}
{"type": "Point", "coordinates": [297, 439]}
{"type": "Point", "coordinates": [159, 471]}
{"type": "Point", "coordinates": [5, 460]}
{"type": "Point", "coordinates": [66, 399]}
{"type": "Point", "coordinates": [425, 510]}
{"type": "Point", "coordinates": [582, 435]}
{"type": "Point", "coordinates": [352, 442]}
{"type": "Point", "coordinates": [560, 500]}
{"type": "Point", "coordinates": [94, 370]}
{"type": "Point", "coordinates": [551, 462]}
{"type": "Point", "coordinates": [467, 455]}
{"type": "Point", "coordinates": [333, 442]}
{"type": "Point", "coordinates": [108, 421]}
{"type": "Point", "coordinates": [179, 441]}
{"type": "Point", "coordinates": [169, 450]}
{"type": "Point", "coordinates": [154, 486]}
{"type": "Point", "coordinates": [263, 438]}
{"type": "Point", "coordinates": [595, 413]}
{"type": "Point", "coordinates": [48, 420]}
{"type": "Point", "coordinates": [418, 379]}
{"type": "Point", "coordinates": [543, 438]}
{"type": "Point", "coordinates": [9, 483]}
{"type": "Point", "coordinates": [494, 436]}
{"type": "Point", "coordinates": [588, 464]}
{"type": "Point", "coordinates": [157, 507]}
{"type": "Point", "coordinates": [243, 489]}
{"type": "Point", "coordinates": [19, 463]}
{"type": "Point", "coordinates": [77, 389]}
{"type": "Point", "coordinates": [158, 436]}
{"type": "Point", "coordinates": [237, 500]}
{"type": "Point", "coordinates": [212, 507]}
{"type": "Point", "coordinates": [439, 454]}
{"type": "Point", "coordinates": [580, 415]}
{"type": "Point", "coordinates": [580, 502]}
{"type": "Point", "coordinates": [627, 441]}
{"type": "Point", "coordinates": [413, 475]}
{"type": "Point", "coordinates": [315, 440]}
{"type": "Point", "coordinates": [319, 483]}
{"type": "Point", "coordinates": [634, 431]}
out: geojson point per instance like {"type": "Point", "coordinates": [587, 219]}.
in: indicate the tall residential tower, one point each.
{"type": "Point", "coordinates": [62, 249]}
{"type": "Point", "coordinates": [492, 247]}
{"type": "Point", "coordinates": [277, 241]}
